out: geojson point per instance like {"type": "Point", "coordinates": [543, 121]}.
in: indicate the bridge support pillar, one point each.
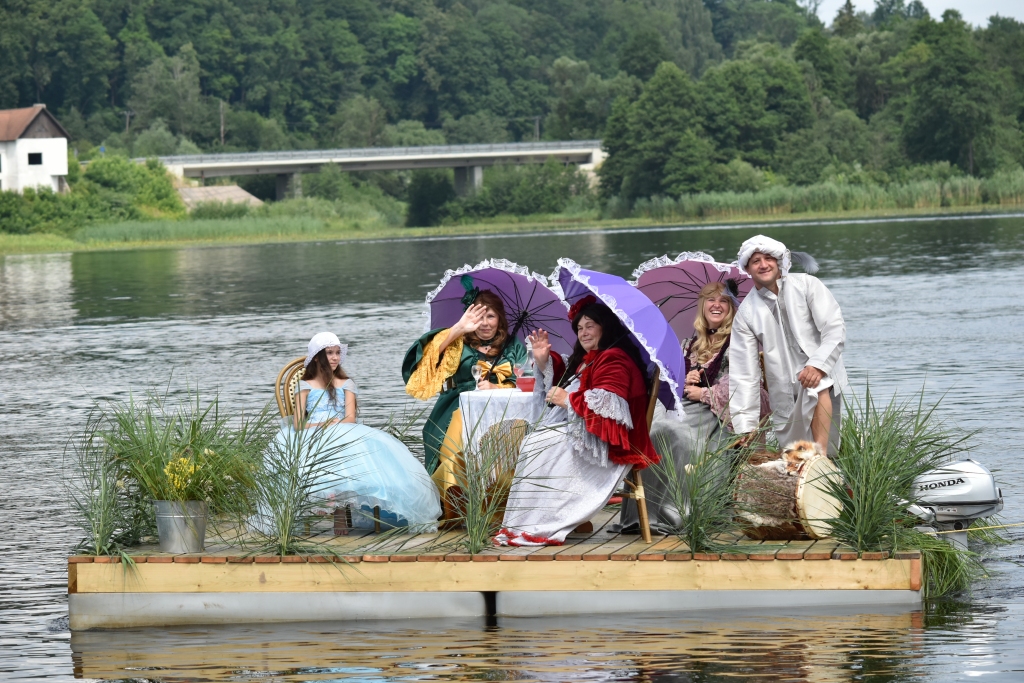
{"type": "Point", "coordinates": [288, 186]}
{"type": "Point", "coordinates": [468, 180]}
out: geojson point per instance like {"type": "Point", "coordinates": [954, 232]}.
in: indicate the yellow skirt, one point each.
{"type": "Point", "coordinates": [452, 465]}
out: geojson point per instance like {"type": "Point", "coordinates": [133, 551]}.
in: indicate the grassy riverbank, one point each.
{"type": "Point", "coordinates": [269, 230]}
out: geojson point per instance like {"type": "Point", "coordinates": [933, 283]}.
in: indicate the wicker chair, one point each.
{"type": "Point", "coordinates": [287, 386]}
{"type": "Point", "coordinates": [634, 488]}
{"type": "Point", "coordinates": [285, 389]}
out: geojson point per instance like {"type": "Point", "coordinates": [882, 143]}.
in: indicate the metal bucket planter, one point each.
{"type": "Point", "coordinates": [180, 526]}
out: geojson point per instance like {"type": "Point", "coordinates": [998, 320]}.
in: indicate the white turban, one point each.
{"type": "Point", "coordinates": [765, 245]}
{"type": "Point", "coordinates": [775, 248]}
{"type": "Point", "coordinates": [321, 341]}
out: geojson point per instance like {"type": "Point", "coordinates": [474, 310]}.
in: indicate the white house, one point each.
{"type": "Point", "coordinates": [33, 150]}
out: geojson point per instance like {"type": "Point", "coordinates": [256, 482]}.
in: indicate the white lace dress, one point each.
{"type": "Point", "coordinates": [563, 474]}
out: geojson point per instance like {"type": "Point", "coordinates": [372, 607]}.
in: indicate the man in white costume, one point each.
{"type": "Point", "coordinates": [796, 321]}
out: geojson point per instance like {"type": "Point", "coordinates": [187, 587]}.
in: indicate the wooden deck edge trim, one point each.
{"type": "Point", "coordinates": [679, 571]}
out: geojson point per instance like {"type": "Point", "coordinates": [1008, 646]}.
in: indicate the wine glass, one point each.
{"type": "Point", "coordinates": [477, 372]}
{"type": "Point", "coordinates": [518, 370]}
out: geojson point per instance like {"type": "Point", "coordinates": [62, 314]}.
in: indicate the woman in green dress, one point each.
{"type": "Point", "coordinates": [442, 361]}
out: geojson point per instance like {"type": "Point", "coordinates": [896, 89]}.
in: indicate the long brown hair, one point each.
{"type": "Point", "coordinates": [492, 301]}
{"type": "Point", "coordinates": [320, 368]}
{"type": "Point", "coordinates": [706, 345]}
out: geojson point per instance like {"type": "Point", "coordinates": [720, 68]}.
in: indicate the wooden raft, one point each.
{"type": "Point", "coordinates": [597, 561]}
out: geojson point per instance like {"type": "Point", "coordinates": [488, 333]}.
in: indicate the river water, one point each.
{"type": "Point", "coordinates": [932, 304]}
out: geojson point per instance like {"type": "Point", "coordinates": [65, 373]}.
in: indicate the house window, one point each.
{"type": "Point", "coordinates": [35, 158]}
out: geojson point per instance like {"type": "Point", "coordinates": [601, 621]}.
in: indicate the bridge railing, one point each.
{"type": "Point", "coordinates": [362, 153]}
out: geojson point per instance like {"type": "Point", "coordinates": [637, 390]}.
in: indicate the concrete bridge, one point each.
{"type": "Point", "coordinates": [467, 160]}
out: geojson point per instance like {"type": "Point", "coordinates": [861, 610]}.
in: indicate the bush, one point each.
{"type": "Point", "coordinates": [523, 191]}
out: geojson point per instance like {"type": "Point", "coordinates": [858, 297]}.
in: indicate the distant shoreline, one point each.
{"type": "Point", "coordinates": [43, 243]}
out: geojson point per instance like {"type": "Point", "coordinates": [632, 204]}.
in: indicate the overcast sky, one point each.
{"type": "Point", "coordinates": [975, 12]}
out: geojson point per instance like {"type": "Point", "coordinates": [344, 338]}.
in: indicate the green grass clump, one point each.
{"type": "Point", "coordinates": [702, 495]}
{"type": "Point", "coordinates": [884, 449]}
{"type": "Point", "coordinates": [134, 452]}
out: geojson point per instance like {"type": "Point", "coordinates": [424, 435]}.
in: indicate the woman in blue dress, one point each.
{"type": "Point", "coordinates": [366, 468]}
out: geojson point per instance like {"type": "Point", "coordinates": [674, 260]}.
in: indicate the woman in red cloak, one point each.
{"type": "Point", "coordinates": [593, 431]}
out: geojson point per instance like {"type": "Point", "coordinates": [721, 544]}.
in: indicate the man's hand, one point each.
{"type": "Point", "coordinates": [558, 396]}
{"type": "Point", "coordinates": [810, 377]}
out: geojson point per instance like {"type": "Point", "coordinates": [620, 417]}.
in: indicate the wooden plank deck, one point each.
{"type": "Point", "coordinates": [432, 575]}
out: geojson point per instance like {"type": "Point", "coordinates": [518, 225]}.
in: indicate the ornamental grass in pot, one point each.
{"type": "Point", "coordinates": [188, 460]}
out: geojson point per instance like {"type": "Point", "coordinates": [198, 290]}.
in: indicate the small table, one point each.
{"type": "Point", "coordinates": [483, 409]}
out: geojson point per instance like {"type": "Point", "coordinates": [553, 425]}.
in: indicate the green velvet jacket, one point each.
{"type": "Point", "coordinates": [448, 401]}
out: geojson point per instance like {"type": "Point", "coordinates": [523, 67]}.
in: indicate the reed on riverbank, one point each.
{"type": "Point", "coordinates": [1004, 189]}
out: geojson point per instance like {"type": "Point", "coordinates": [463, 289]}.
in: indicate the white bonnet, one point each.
{"type": "Point", "coordinates": [321, 341]}
{"type": "Point", "coordinates": [765, 245]}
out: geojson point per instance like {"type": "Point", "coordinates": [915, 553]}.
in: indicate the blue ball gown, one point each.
{"type": "Point", "coordinates": [365, 467]}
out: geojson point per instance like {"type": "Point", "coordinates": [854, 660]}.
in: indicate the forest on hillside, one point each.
{"type": "Point", "coordinates": [689, 96]}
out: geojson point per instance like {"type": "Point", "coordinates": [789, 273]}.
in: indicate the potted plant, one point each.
{"type": "Point", "coordinates": [189, 460]}
{"type": "Point", "coordinates": [182, 512]}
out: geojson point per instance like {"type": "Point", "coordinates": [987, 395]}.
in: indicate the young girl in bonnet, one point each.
{"type": "Point", "coordinates": [369, 468]}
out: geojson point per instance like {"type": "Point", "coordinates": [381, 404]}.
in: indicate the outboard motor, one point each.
{"type": "Point", "coordinates": [951, 497]}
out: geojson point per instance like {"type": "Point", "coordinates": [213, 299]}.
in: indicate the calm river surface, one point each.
{"type": "Point", "coordinates": [932, 303]}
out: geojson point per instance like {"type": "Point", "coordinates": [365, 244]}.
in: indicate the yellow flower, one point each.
{"type": "Point", "coordinates": [179, 474]}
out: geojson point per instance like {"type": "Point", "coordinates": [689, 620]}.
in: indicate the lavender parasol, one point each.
{"type": "Point", "coordinates": [648, 328]}
{"type": "Point", "coordinates": [529, 302]}
{"type": "Point", "coordinates": [674, 285]}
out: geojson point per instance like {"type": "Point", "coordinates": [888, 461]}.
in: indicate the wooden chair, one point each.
{"type": "Point", "coordinates": [634, 484]}
{"type": "Point", "coordinates": [285, 388]}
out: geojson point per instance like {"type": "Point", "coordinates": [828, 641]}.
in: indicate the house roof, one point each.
{"type": "Point", "coordinates": [14, 122]}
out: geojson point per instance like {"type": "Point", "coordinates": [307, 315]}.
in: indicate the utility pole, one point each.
{"type": "Point", "coordinates": [536, 128]}
{"type": "Point", "coordinates": [128, 114]}
{"type": "Point", "coordinates": [222, 123]}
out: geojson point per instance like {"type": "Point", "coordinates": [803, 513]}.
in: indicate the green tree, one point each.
{"type": "Point", "coordinates": [836, 138]}
{"type": "Point", "coordinates": [847, 24]}
{"type": "Point", "coordinates": [359, 122]}
{"type": "Point", "coordinates": [169, 89]}
{"type": "Point", "coordinates": [829, 64]}
{"type": "Point", "coordinates": [736, 21]}
{"type": "Point", "coordinates": [951, 106]}
{"type": "Point", "coordinates": [643, 52]}
{"type": "Point", "coordinates": [749, 103]}
{"type": "Point", "coordinates": [642, 137]}
{"type": "Point", "coordinates": [582, 100]}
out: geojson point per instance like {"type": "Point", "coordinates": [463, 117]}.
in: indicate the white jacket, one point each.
{"type": "Point", "coordinates": [816, 332]}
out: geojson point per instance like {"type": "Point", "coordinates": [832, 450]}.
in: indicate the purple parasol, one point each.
{"type": "Point", "coordinates": [648, 328]}
{"type": "Point", "coordinates": [529, 303]}
{"type": "Point", "coordinates": [674, 285]}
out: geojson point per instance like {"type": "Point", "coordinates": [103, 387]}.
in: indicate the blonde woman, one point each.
{"type": "Point", "coordinates": [702, 421]}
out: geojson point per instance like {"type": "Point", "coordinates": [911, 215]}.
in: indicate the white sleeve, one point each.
{"type": "Point", "coordinates": [828, 318]}
{"type": "Point", "coordinates": [744, 376]}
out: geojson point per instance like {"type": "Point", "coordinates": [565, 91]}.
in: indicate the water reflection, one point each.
{"type": "Point", "coordinates": [35, 290]}
{"type": "Point", "coordinates": [816, 647]}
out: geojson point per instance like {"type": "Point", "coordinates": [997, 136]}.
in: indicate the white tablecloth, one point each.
{"type": "Point", "coordinates": [483, 409]}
